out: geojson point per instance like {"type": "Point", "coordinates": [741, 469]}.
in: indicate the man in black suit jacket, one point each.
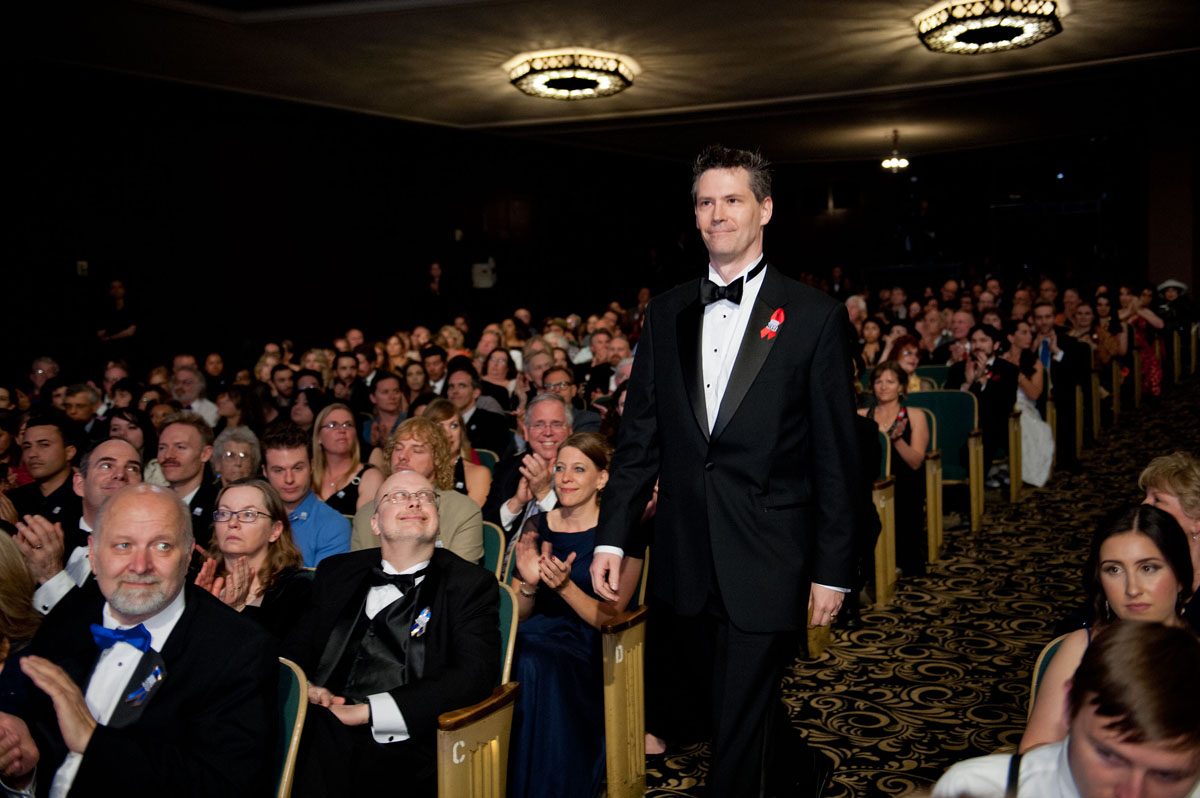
{"type": "Point", "coordinates": [740, 404]}
{"type": "Point", "coordinates": [1069, 364]}
{"type": "Point", "coordinates": [136, 685]}
{"type": "Point", "coordinates": [485, 430]}
{"type": "Point", "coordinates": [523, 484]}
{"type": "Point", "coordinates": [993, 380]}
{"type": "Point", "coordinates": [388, 646]}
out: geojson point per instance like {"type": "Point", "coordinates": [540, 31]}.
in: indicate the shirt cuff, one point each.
{"type": "Point", "coordinates": [831, 587]}
{"type": "Point", "coordinates": [506, 517]}
{"type": "Point", "coordinates": [29, 792]}
{"type": "Point", "coordinates": [387, 722]}
{"type": "Point", "coordinates": [549, 503]}
{"type": "Point", "coordinates": [1059, 356]}
{"type": "Point", "coordinates": [52, 592]}
{"type": "Point", "coordinates": [617, 550]}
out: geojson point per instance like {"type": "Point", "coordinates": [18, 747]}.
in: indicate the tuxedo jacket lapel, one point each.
{"type": "Point", "coordinates": [349, 612]}
{"type": "Point", "coordinates": [752, 354]}
{"type": "Point", "coordinates": [687, 337]}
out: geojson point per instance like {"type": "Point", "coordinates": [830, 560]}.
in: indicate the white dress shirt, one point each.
{"type": "Point", "coordinates": [52, 591]}
{"type": "Point", "coordinates": [721, 337]}
{"type": "Point", "coordinates": [110, 677]}
{"type": "Point", "coordinates": [387, 722]}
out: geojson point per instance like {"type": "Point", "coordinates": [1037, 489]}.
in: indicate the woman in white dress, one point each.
{"type": "Point", "coordinates": [1037, 441]}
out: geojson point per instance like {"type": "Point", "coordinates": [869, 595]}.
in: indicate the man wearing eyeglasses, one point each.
{"type": "Point", "coordinates": [485, 430]}
{"type": "Point", "coordinates": [522, 484]}
{"type": "Point", "coordinates": [392, 638]}
{"type": "Point", "coordinates": [561, 380]}
{"type": "Point", "coordinates": [109, 466]}
{"type": "Point", "coordinates": [318, 529]}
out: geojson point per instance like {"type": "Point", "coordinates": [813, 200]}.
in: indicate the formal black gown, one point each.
{"type": "Point", "coordinates": [911, 544]}
{"type": "Point", "coordinates": [558, 726]}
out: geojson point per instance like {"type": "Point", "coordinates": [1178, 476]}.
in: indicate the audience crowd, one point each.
{"type": "Point", "coordinates": [138, 497]}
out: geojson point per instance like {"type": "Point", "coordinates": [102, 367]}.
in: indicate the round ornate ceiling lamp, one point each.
{"type": "Point", "coordinates": [571, 73]}
{"type": "Point", "coordinates": [988, 26]}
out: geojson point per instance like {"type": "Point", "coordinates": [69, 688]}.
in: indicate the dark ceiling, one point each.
{"type": "Point", "coordinates": [806, 81]}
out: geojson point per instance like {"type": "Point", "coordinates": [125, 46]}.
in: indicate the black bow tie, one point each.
{"type": "Point", "coordinates": [405, 582]}
{"type": "Point", "coordinates": [710, 292]}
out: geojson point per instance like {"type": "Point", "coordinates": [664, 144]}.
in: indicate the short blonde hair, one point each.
{"type": "Point", "coordinates": [1177, 473]}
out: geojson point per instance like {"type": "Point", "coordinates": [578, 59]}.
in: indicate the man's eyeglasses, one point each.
{"type": "Point", "coordinates": [338, 425]}
{"type": "Point", "coordinates": [403, 496]}
{"type": "Point", "coordinates": [245, 516]}
{"type": "Point", "coordinates": [538, 426]}
{"type": "Point", "coordinates": [557, 386]}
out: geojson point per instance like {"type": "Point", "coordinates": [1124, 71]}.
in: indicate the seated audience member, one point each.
{"type": "Point", "coordinates": [1068, 365]}
{"type": "Point", "coordinates": [18, 619]}
{"type": "Point", "coordinates": [307, 378]}
{"type": "Point", "coordinates": [395, 350]}
{"type": "Point", "coordinates": [610, 426]}
{"type": "Point", "coordinates": [909, 436]}
{"type": "Point", "coordinates": [187, 387]}
{"type": "Point", "coordinates": [434, 359]}
{"type": "Point", "coordinates": [365, 360]}
{"type": "Point", "coordinates": [560, 717]}
{"type": "Point", "coordinates": [82, 404]}
{"type": "Point", "coordinates": [1139, 569]}
{"type": "Point", "coordinates": [394, 636]}
{"type": "Point", "coordinates": [123, 394]}
{"type": "Point", "coordinates": [486, 430]}
{"type": "Point", "coordinates": [41, 370]}
{"type": "Point", "coordinates": [283, 385]}
{"type": "Point", "coordinates": [872, 343]}
{"type": "Point", "coordinates": [318, 530]}
{"type": "Point", "coordinates": [1172, 484]}
{"type": "Point", "coordinates": [1037, 439]}
{"type": "Point", "coordinates": [536, 365]}
{"type": "Point", "coordinates": [184, 448]}
{"type": "Point", "coordinates": [54, 394]}
{"type": "Point", "coordinates": [308, 404]}
{"type": "Point", "coordinates": [346, 384]}
{"type": "Point", "coordinates": [416, 383]}
{"type": "Point", "coordinates": [10, 449]}
{"type": "Point", "coordinates": [499, 379]}
{"type": "Point", "coordinates": [240, 406]}
{"type": "Point", "coordinates": [58, 556]}
{"type": "Point", "coordinates": [561, 380]}
{"type": "Point", "coordinates": [935, 338]}
{"type": "Point", "coordinates": [254, 566]}
{"type": "Point", "coordinates": [621, 372]}
{"type": "Point", "coordinates": [470, 478]}
{"type": "Point", "coordinates": [1130, 713]}
{"type": "Point", "coordinates": [237, 454]}
{"type": "Point", "coordinates": [906, 351]}
{"type": "Point", "coordinates": [340, 478]}
{"type": "Point", "coordinates": [522, 483]}
{"type": "Point", "coordinates": [420, 445]}
{"type": "Point", "coordinates": [993, 380]}
{"type": "Point", "coordinates": [214, 374]}
{"type": "Point", "coordinates": [1085, 329]}
{"type": "Point", "coordinates": [386, 399]}
{"type": "Point", "coordinates": [594, 357]}
{"type": "Point", "coordinates": [180, 701]}
{"type": "Point", "coordinates": [48, 448]}
{"type": "Point", "coordinates": [135, 426]}
{"type": "Point", "coordinates": [961, 323]}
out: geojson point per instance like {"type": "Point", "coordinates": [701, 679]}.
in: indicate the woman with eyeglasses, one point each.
{"type": "Point", "coordinates": [136, 427]}
{"type": "Point", "coordinates": [559, 717]}
{"type": "Point", "coordinates": [254, 566]}
{"type": "Point", "coordinates": [470, 478]}
{"type": "Point", "coordinates": [340, 478]}
{"type": "Point", "coordinates": [237, 455]}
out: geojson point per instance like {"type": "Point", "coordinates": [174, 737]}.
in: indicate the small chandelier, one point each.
{"type": "Point", "coordinates": [971, 27]}
{"type": "Point", "coordinates": [571, 73]}
{"type": "Point", "coordinates": [895, 163]}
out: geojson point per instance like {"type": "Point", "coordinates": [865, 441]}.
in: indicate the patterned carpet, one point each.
{"type": "Point", "coordinates": [942, 674]}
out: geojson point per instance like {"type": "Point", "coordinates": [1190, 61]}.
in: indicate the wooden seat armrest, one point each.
{"type": "Point", "coordinates": [880, 484]}
{"type": "Point", "coordinates": [624, 620]}
{"type": "Point", "coordinates": [976, 433]}
{"type": "Point", "coordinates": [457, 718]}
{"type": "Point", "coordinates": [1015, 414]}
{"type": "Point", "coordinates": [936, 454]}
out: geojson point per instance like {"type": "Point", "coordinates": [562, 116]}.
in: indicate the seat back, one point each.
{"type": "Point", "coordinates": [885, 458]}
{"type": "Point", "coordinates": [623, 652]}
{"type": "Point", "coordinates": [493, 548]}
{"type": "Point", "coordinates": [937, 374]}
{"type": "Point", "coordinates": [1040, 666]}
{"type": "Point", "coordinates": [508, 630]}
{"type": "Point", "coordinates": [291, 709]}
{"type": "Point", "coordinates": [488, 459]}
{"type": "Point", "coordinates": [957, 416]}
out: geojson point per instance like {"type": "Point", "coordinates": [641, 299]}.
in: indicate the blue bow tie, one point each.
{"type": "Point", "coordinates": [138, 637]}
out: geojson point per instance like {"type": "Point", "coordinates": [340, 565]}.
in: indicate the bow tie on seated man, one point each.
{"type": "Point", "coordinates": [393, 637]}
{"type": "Point", "coordinates": [144, 682]}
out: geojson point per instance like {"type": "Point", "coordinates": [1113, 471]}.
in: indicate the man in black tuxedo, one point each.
{"type": "Point", "coordinates": [1069, 364]}
{"type": "Point", "coordinates": [58, 558]}
{"type": "Point", "coordinates": [142, 686]}
{"type": "Point", "coordinates": [740, 404]}
{"type": "Point", "coordinates": [388, 646]}
{"type": "Point", "coordinates": [485, 430]}
{"type": "Point", "coordinates": [993, 380]}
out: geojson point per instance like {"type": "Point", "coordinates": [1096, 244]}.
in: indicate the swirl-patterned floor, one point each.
{"type": "Point", "coordinates": [942, 674]}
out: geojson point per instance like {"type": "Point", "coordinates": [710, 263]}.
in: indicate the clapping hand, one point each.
{"type": "Point", "coordinates": [42, 544]}
{"type": "Point", "coordinates": [75, 720]}
{"type": "Point", "coordinates": [898, 428]}
{"type": "Point", "coordinates": [234, 588]}
{"type": "Point", "coordinates": [539, 473]}
{"type": "Point", "coordinates": [18, 753]}
{"type": "Point", "coordinates": [529, 557]}
{"type": "Point", "coordinates": [555, 573]}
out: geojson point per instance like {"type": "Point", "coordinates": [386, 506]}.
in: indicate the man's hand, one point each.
{"type": "Point", "coordinates": [42, 544]}
{"type": "Point", "coordinates": [18, 754]}
{"type": "Point", "coordinates": [606, 575]}
{"type": "Point", "coordinates": [8, 512]}
{"type": "Point", "coordinates": [521, 497]}
{"type": "Point", "coordinates": [352, 714]}
{"type": "Point", "coordinates": [824, 603]}
{"type": "Point", "coordinates": [322, 697]}
{"type": "Point", "coordinates": [75, 720]}
{"type": "Point", "coordinates": [540, 474]}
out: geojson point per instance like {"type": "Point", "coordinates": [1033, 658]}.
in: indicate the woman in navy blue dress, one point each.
{"type": "Point", "coordinates": [558, 727]}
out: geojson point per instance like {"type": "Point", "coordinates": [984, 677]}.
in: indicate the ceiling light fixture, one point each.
{"type": "Point", "coordinates": [895, 163]}
{"type": "Point", "coordinates": [988, 26]}
{"type": "Point", "coordinates": [571, 73]}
